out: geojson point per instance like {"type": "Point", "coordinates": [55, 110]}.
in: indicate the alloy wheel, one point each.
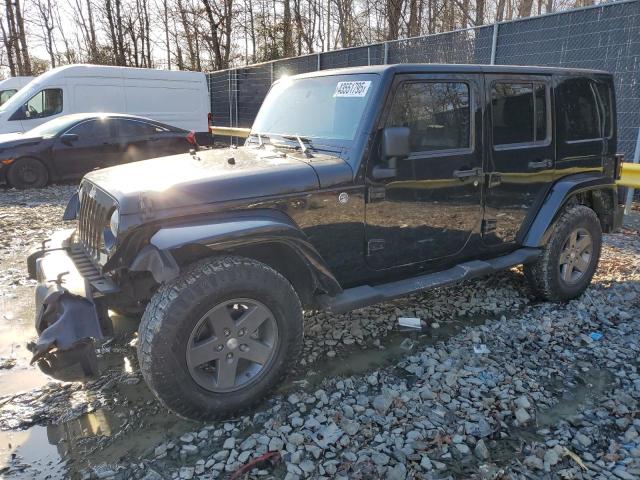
{"type": "Point", "coordinates": [575, 256]}
{"type": "Point", "coordinates": [232, 345]}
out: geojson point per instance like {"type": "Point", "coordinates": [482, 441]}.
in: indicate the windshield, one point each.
{"type": "Point", "coordinates": [55, 126]}
{"type": "Point", "coordinates": [19, 99]}
{"type": "Point", "coordinates": [5, 95]}
{"type": "Point", "coordinates": [328, 107]}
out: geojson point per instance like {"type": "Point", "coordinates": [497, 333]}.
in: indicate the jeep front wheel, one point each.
{"type": "Point", "coordinates": [567, 264]}
{"type": "Point", "coordinates": [220, 337]}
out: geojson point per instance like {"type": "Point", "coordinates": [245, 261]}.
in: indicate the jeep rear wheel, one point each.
{"type": "Point", "coordinates": [570, 258]}
{"type": "Point", "coordinates": [220, 337]}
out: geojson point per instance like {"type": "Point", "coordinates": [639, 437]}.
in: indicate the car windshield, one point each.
{"type": "Point", "coordinates": [55, 126]}
{"type": "Point", "coordinates": [329, 107]}
{"type": "Point", "coordinates": [17, 100]}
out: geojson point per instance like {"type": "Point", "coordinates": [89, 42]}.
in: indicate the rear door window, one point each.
{"type": "Point", "coordinates": [519, 113]}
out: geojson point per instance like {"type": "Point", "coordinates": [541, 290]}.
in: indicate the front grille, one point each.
{"type": "Point", "coordinates": [92, 220]}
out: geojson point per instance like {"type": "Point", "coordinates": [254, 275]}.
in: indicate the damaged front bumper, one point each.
{"type": "Point", "coordinates": [70, 313]}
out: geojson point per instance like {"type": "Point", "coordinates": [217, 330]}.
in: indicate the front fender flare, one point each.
{"type": "Point", "coordinates": [565, 188]}
{"type": "Point", "coordinates": [232, 231]}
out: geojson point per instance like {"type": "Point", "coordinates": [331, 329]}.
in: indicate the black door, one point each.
{"type": "Point", "coordinates": [137, 140]}
{"type": "Point", "coordinates": [94, 147]}
{"type": "Point", "coordinates": [425, 207]}
{"type": "Point", "coordinates": [522, 159]}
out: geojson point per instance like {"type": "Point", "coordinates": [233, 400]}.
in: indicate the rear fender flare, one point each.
{"type": "Point", "coordinates": [562, 191]}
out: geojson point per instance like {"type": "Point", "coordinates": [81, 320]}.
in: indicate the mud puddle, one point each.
{"type": "Point", "coordinates": [132, 424]}
{"type": "Point", "coordinates": [359, 360]}
{"type": "Point", "coordinates": [582, 391]}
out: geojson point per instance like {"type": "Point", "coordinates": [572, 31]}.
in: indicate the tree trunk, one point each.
{"type": "Point", "coordinates": [287, 34]}
{"type": "Point", "coordinates": [480, 12]}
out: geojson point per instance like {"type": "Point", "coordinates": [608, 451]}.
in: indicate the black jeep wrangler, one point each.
{"type": "Point", "coordinates": [356, 186]}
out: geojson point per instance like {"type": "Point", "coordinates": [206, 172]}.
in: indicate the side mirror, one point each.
{"type": "Point", "coordinates": [69, 138]}
{"type": "Point", "coordinates": [395, 142]}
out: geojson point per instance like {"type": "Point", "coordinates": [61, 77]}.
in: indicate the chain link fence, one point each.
{"type": "Point", "coordinates": [604, 37]}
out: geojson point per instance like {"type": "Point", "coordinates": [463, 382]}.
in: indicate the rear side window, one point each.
{"type": "Point", "coordinates": [580, 113]}
{"type": "Point", "coordinates": [604, 93]}
{"type": "Point", "coordinates": [135, 128]}
{"type": "Point", "coordinates": [519, 113]}
{"type": "Point", "coordinates": [437, 114]}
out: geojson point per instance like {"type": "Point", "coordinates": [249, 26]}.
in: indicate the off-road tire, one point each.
{"type": "Point", "coordinates": [178, 306]}
{"type": "Point", "coordinates": [544, 276]}
{"type": "Point", "coordinates": [28, 173]}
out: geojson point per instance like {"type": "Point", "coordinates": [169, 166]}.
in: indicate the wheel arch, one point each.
{"type": "Point", "coordinates": [47, 165]}
{"type": "Point", "coordinates": [594, 191]}
{"type": "Point", "coordinates": [268, 237]}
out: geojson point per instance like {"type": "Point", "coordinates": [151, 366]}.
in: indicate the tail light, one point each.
{"type": "Point", "coordinates": [209, 119]}
{"type": "Point", "coordinates": [191, 138]}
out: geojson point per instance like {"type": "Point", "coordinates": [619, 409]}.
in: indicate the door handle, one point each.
{"type": "Point", "coordinates": [546, 163]}
{"type": "Point", "coordinates": [474, 172]}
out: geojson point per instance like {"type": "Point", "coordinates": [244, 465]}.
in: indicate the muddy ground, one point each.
{"type": "Point", "coordinates": [497, 385]}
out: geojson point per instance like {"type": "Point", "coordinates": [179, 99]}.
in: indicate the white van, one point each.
{"type": "Point", "coordinates": [180, 99]}
{"type": "Point", "coordinates": [10, 86]}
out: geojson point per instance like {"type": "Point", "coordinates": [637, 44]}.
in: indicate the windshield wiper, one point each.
{"type": "Point", "coordinates": [301, 141]}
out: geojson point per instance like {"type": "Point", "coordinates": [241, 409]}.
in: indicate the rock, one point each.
{"type": "Point", "coordinates": [533, 462]}
{"type": "Point", "coordinates": [621, 473]}
{"type": "Point", "coordinates": [372, 379]}
{"type": "Point", "coordinates": [462, 448]}
{"type": "Point", "coordinates": [307, 466]}
{"type": "Point", "coordinates": [630, 435]}
{"type": "Point", "coordinates": [190, 449]}
{"type": "Point", "coordinates": [380, 458]}
{"type": "Point", "coordinates": [382, 403]}
{"type": "Point", "coordinates": [522, 402]}
{"type": "Point", "coordinates": [583, 439]}
{"type": "Point", "coordinates": [293, 399]}
{"type": "Point", "coordinates": [296, 439]}
{"type": "Point", "coordinates": [522, 416]}
{"type": "Point", "coordinates": [425, 463]}
{"type": "Point", "coordinates": [481, 451]}
{"type": "Point", "coordinates": [229, 443]}
{"type": "Point", "coordinates": [186, 473]}
{"type": "Point", "coordinates": [187, 438]}
{"type": "Point", "coordinates": [399, 472]}
{"type": "Point", "coordinates": [551, 457]}
{"type": "Point", "coordinates": [160, 450]}
{"type": "Point", "coordinates": [276, 444]}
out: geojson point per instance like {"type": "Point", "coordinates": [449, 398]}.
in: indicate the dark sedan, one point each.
{"type": "Point", "coordinates": [70, 146]}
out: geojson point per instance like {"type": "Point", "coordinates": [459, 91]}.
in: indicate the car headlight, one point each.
{"type": "Point", "coordinates": [114, 222]}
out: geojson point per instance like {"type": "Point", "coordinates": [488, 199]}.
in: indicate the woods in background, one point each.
{"type": "Point", "coordinates": [216, 34]}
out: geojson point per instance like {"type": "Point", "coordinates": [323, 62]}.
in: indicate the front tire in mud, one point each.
{"type": "Point", "coordinates": [218, 338]}
{"type": "Point", "coordinates": [569, 260]}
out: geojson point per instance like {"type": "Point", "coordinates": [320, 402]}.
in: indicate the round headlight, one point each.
{"type": "Point", "coordinates": [114, 222]}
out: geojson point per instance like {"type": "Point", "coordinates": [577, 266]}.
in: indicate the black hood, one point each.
{"type": "Point", "coordinates": [213, 176]}
{"type": "Point", "coordinates": [12, 140]}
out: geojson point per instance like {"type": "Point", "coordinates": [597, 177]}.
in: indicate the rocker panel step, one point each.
{"type": "Point", "coordinates": [362, 296]}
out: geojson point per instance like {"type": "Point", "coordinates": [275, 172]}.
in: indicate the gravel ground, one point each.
{"type": "Point", "coordinates": [497, 385]}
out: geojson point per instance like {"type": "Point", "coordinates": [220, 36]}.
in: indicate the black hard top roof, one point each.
{"type": "Point", "coordinates": [454, 68]}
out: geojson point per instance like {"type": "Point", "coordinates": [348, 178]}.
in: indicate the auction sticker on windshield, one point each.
{"type": "Point", "coordinates": [352, 89]}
